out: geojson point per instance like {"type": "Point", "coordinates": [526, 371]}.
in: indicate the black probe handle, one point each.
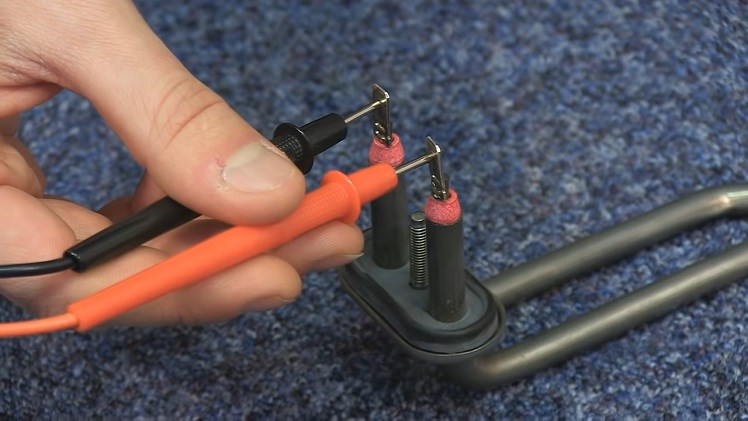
{"type": "Point", "coordinates": [301, 145]}
{"type": "Point", "coordinates": [158, 218]}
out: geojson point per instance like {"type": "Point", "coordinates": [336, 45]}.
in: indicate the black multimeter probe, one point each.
{"type": "Point", "coordinates": [300, 144]}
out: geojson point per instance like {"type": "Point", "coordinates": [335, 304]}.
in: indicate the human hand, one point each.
{"type": "Point", "coordinates": [193, 146]}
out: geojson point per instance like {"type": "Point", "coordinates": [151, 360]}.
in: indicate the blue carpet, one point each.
{"type": "Point", "coordinates": [558, 118]}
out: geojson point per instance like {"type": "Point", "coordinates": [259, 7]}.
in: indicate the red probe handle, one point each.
{"type": "Point", "coordinates": [339, 198]}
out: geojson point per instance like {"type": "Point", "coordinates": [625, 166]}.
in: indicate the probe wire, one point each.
{"type": "Point", "coordinates": [36, 268]}
{"type": "Point", "coordinates": [37, 326]}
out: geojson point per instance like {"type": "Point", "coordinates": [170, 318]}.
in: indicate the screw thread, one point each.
{"type": "Point", "coordinates": [418, 255]}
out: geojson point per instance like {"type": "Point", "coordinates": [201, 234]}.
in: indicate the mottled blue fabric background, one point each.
{"type": "Point", "coordinates": [558, 119]}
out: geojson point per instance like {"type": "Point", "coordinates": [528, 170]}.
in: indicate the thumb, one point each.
{"type": "Point", "coordinates": [196, 148]}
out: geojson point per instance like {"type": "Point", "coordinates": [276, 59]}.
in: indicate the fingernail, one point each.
{"type": "Point", "coordinates": [352, 257]}
{"type": "Point", "coordinates": [256, 169]}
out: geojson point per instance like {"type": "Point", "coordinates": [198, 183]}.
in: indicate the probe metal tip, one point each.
{"type": "Point", "coordinates": [361, 112]}
{"type": "Point", "coordinates": [432, 152]}
{"type": "Point", "coordinates": [380, 99]}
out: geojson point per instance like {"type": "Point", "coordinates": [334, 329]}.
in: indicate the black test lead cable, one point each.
{"type": "Point", "coordinates": [36, 268]}
{"type": "Point", "coordinates": [300, 144]}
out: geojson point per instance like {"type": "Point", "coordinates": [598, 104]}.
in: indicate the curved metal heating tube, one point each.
{"type": "Point", "coordinates": [616, 317]}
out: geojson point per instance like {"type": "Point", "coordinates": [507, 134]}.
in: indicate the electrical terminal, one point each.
{"type": "Point", "coordinates": [422, 296]}
{"type": "Point", "coordinates": [381, 117]}
{"type": "Point", "coordinates": [439, 181]}
{"type": "Point", "coordinates": [389, 212]}
{"type": "Point", "coordinates": [437, 311]}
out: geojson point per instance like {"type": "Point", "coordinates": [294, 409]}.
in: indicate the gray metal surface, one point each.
{"type": "Point", "coordinates": [614, 243]}
{"type": "Point", "coordinates": [604, 323]}
{"type": "Point", "coordinates": [615, 318]}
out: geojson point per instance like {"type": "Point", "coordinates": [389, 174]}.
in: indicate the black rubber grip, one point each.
{"type": "Point", "coordinates": [304, 143]}
{"type": "Point", "coordinates": [294, 143]}
{"type": "Point", "coordinates": [324, 133]}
